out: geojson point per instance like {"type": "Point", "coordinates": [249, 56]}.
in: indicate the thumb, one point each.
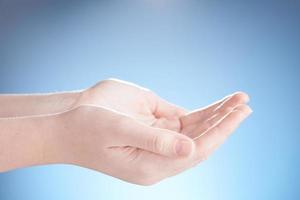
{"type": "Point", "coordinates": [160, 141]}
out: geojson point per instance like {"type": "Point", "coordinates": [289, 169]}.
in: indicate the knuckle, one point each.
{"type": "Point", "coordinates": [105, 83]}
{"type": "Point", "coordinates": [157, 143]}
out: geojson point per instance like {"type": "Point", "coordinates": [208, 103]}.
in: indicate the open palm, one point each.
{"type": "Point", "coordinates": [208, 126]}
{"type": "Point", "coordinates": [145, 106]}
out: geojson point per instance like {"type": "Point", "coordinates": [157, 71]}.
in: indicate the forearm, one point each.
{"type": "Point", "coordinates": [28, 141]}
{"type": "Point", "coordinates": [37, 104]}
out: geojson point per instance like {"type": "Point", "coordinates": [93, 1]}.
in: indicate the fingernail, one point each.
{"type": "Point", "coordinates": [250, 111]}
{"type": "Point", "coordinates": [247, 98]}
{"type": "Point", "coordinates": [183, 147]}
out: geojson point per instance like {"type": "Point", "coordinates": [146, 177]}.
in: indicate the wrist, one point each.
{"type": "Point", "coordinates": [55, 141]}
{"type": "Point", "coordinates": [61, 142]}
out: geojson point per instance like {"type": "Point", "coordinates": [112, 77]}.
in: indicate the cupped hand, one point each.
{"type": "Point", "coordinates": [129, 132]}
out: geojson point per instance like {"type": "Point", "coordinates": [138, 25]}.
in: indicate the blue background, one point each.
{"type": "Point", "coordinates": [190, 52]}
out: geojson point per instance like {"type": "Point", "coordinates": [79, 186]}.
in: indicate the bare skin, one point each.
{"type": "Point", "coordinates": [116, 128]}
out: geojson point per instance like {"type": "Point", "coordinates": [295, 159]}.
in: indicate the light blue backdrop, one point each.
{"type": "Point", "coordinates": [189, 52]}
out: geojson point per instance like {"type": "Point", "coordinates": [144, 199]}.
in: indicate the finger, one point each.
{"type": "Point", "coordinates": [236, 99]}
{"type": "Point", "coordinates": [156, 140]}
{"type": "Point", "coordinates": [198, 115]}
{"type": "Point", "coordinates": [195, 115]}
{"type": "Point", "coordinates": [191, 122]}
{"type": "Point", "coordinates": [210, 122]}
{"type": "Point", "coordinates": [216, 135]}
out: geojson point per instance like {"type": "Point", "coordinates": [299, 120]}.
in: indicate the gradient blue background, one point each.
{"type": "Point", "coordinates": [190, 52]}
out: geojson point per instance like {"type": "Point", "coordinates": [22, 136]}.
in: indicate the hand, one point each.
{"type": "Point", "coordinates": [133, 126]}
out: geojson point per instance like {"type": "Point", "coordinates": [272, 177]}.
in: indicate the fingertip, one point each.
{"type": "Point", "coordinates": [245, 110]}
{"type": "Point", "coordinates": [242, 96]}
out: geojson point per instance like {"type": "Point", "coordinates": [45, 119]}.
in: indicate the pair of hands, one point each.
{"type": "Point", "coordinates": [128, 132]}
